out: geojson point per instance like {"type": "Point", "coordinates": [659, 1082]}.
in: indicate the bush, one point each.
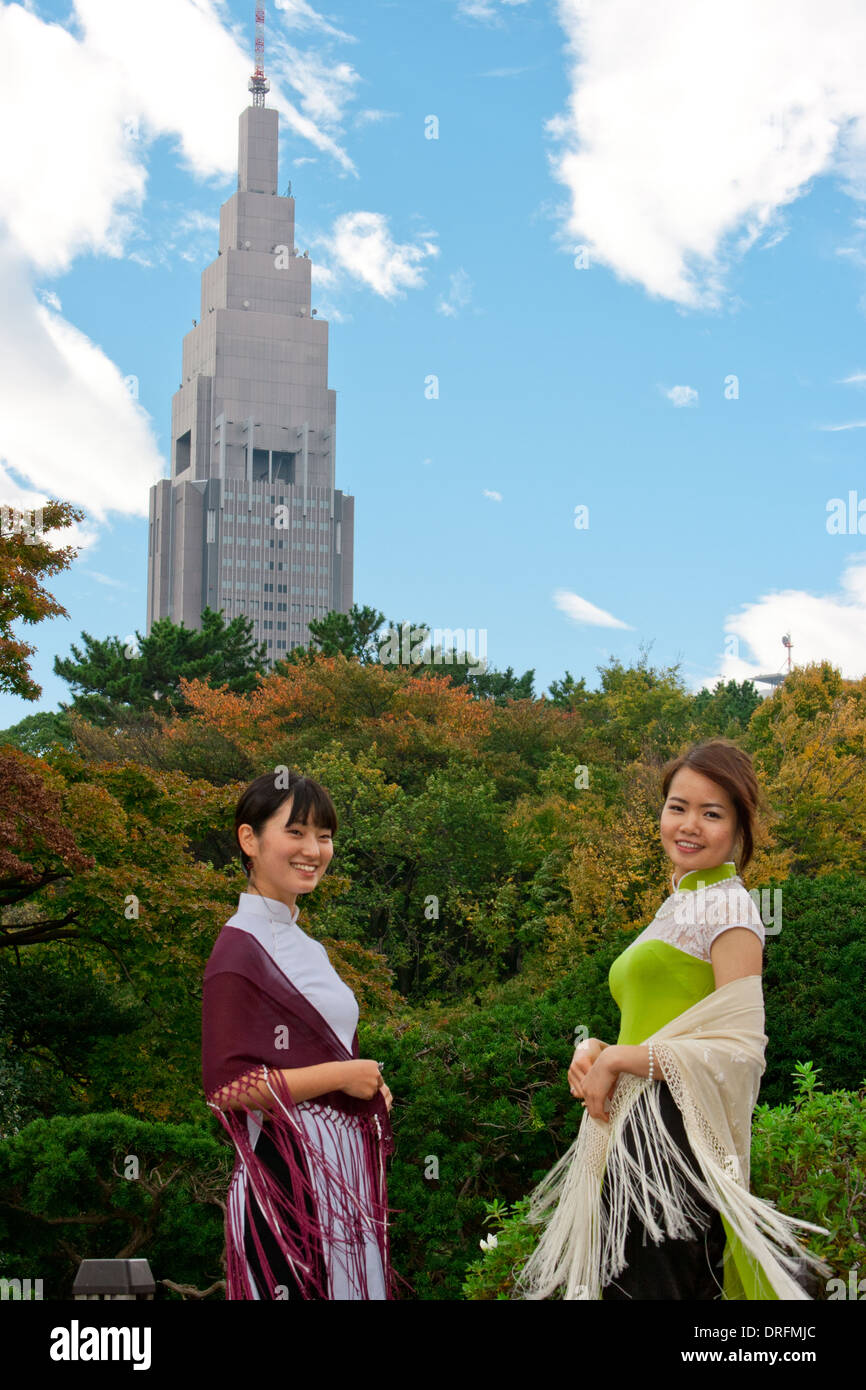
{"type": "Point", "coordinates": [808, 1158]}
{"type": "Point", "coordinates": [481, 1089]}
{"type": "Point", "coordinates": [66, 1197]}
{"type": "Point", "coordinates": [814, 978]}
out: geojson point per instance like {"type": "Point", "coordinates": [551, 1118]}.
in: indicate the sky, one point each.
{"type": "Point", "coordinates": [595, 275]}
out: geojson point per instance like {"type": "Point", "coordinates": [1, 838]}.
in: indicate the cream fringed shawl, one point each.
{"type": "Point", "coordinates": [712, 1059]}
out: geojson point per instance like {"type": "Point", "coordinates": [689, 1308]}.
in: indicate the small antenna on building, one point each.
{"type": "Point", "coordinates": [259, 85]}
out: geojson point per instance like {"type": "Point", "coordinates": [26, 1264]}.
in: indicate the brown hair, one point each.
{"type": "Point", "coordinates": [729, 767]}
{"type": "Point", "coordinates": [263, 798]}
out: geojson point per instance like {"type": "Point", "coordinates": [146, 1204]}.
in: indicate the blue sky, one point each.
{"type": "Point", "coordinates": [634, 258]}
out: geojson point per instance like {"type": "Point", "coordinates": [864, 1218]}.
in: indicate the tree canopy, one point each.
{"type": "Point", "coordinates": [111, 679]}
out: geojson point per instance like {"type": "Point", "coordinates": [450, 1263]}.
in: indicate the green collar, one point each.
{"type": "Point", "coordinates": [702, 878]}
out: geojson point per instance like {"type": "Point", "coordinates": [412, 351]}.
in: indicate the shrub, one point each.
{"type": "Point", "coordinates": [808, 1158]}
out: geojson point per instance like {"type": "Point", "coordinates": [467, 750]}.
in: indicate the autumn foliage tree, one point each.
{"type": "Point", "coordinates": [26, 555]}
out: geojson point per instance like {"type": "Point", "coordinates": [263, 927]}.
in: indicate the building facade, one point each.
{"type": "Point", "coordinates": [250, 520]}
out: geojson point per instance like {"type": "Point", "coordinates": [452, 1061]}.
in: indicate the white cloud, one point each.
{"type": "Point", "coordinates": [298, 14]}
{"type": "Point", "coordinates": [459, 295]}
{"type": "Point", "coordinates": [69, 427]}
{"type": "Point", "coordinates": [580, 610]}
{"type": "Point", "coordinates": [504, 72]}
{"type": "Point", "coordinates": [682, 395]}
{"type": "Point", "coordinates": [194, 221]}
{"type": "Point", "coordinates": [826, 627]}
{"type": "Point", "coordinates": [486, 9]}
{"type": "Point", "coordinates": [372, 116]}
{"type": "Point", "coordinates": [67, 182]}
{"type": "Point", "coordinates": [105, 579]}
{"type": "Point", "coordinates": [168, 94]}
{"type": "Point", "coordinates": [494, 496]}
{"type": "Point", "coordinates": [854, 425]}
{"type": "Point", "coordinates": [690, 125]}
{"type": "Point", "coordinates": [855, 379]}
{"type": "Point", "coordinates": [324, 87]}
{"type": "Point", "coordinates": [362, 248]}
{"type": "Point", "coordinates": [75, 184]}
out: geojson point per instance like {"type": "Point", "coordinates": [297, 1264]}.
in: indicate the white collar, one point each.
{"type": "Point", "coordinates": [273, 908]}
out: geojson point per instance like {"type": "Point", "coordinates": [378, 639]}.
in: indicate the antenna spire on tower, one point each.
{"type": "Point", "coordinates": [259, 85]}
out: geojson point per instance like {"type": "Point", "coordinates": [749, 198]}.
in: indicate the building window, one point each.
{"type": "Point", "coordinates": [182, 451]}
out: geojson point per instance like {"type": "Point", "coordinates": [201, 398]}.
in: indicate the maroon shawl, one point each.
{"type": "Point", "coordinates": [254, 1024]}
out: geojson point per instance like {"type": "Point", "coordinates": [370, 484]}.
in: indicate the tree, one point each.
{"type": "Point", "coordinates": [569, 693]}
{"type": "Point", "coordinates": [726, 709]}
{"type": "Point", "coordinates": [35, 849]}
{"type": "Point", "coordinates": [351, 633]}
{"type": "Point", "coordinates": [358, 634]}
{"type": "Point", "coordinates": [111, 679]}
{"type": "Point", "coordinates": [501, 686]}
{"type": "Point", "coordinates": [37, 733]}
{"type": "Point", "coordinates": [808, 740]}
{"type": "Point", "coordinates": [645, 711]}
{"type": "Point", "coordinates": [23, 560]}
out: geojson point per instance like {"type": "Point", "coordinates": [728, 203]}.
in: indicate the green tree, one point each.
{"type": "Point", "coordinates": [726, 709]}
{"type": "Point", "coordinates": [113, 1186]}
{"type": "Point", "coordinates": [569, 693]}
{"type": "Point", "coordinates": [645, 710]}
{"type": "Point", "coordinates": [351, 633]}
{"type": "Point", "coordinates": [111, 679]}
{"type": "Point", "coordinates": [37, 733]}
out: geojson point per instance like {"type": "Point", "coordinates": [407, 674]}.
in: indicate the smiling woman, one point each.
{"type": "Point", "coordinates": [652, 1200]}
{"type": "Point", "coordinates": [309, 1119]}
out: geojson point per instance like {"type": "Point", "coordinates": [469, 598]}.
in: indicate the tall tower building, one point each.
{"type": "Point", "coordinates": [250, 520]}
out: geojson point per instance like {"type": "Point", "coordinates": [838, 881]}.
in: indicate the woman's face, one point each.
{"type": "Point", "coordinates": [698, 822]}
{"type": "Point", "coordinates": [287, 858]}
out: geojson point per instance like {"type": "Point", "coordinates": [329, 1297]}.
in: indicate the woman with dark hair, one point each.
{"type": "Point", "coordinates": [307, 1209]}
{"type": "Point", "coordinates": [652, 1200]}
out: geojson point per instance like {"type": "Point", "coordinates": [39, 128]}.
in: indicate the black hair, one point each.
{"type": "Point", "coordinates": [263, 797]}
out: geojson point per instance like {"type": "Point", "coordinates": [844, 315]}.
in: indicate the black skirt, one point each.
{"type": "Point", "coordinates": [284, 1284]}
{"type": "Point", "coordinates": [673, 1269]}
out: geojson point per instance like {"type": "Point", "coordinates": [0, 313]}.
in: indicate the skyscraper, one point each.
{"type": "Point", "coordinates": [250, 520]}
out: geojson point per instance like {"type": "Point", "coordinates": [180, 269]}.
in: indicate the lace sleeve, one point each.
{"type": "Point", "coordinates": [730, 907]}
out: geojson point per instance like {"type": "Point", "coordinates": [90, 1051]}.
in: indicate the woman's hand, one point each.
{"type": "Point", "coordinates": [362, 1079]}
{"type": "Point", "coordinates": [387, 1097]}
{"type": "Point", "coordinates": [584, 1056]}
{"type": "Point", "coordinates": [599, 1083]}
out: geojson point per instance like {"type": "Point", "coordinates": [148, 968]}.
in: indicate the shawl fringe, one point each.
{"type": "Point", "coordinates": [350, 1195]}
{"type": "Point", "coordinates": [582, 1248]}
